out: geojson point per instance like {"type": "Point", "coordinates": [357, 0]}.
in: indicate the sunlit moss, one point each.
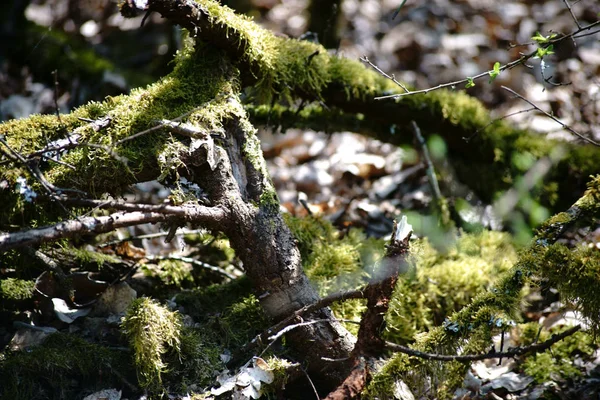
{"type": "Point", "coordinates": [229, 311]}
{"type": "Point", "coordinates": [16, 289]}
{"type": "Point", "coordinates": [444, 283]}
{"type": "Point", "coordinates": [555, 363]}
{"type": "Point", "coordinates": [14, 292]}
{"type": "Point", "coordinates": [336, 262]}
{"type": "Point", "coordinates": [152, 331]}
{"type": "Point", "coordinates": [196, 364]}
{"type": "Point", "coordinates": [576, 275]}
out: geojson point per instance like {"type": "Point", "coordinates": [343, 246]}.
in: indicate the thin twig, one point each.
{"type": "Point", "coordinates": [552, 117]}
{"type": "Point", "coordinates": [519, 351]}
{"type": "Point", "coordinates": [151, 236]}
{"type": "Point", "coordinates": [55, 75]}
{"type": "Point", "coordinates": [278, 335]}
{"type": "Point", "coordinates": [312, 385]}
{"type": "Point", "coordinates": [505, 67]}
{"type": "Point", "coordinates": [124, 206]}
{"type": "Point", "coordinates": [390, 77]}
{"type": "Point", "coordinates": [192, 261]}
{"type": "Point", "coordinates": [324, 302]}
{"type": "Point", "coordinates": [467, 139]}
{"type": "Point", "coordinates": [572, 13]}
{"type": "Point", "coordinates": [435, 187]}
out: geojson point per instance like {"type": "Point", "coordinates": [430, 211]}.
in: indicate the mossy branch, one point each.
{"type": "Point", "coordinates": [471, 326]}
{"type": "Point", "coordinates": [519, 351]}
{"type": "Point", "coordinates": [275, 65]}
{"type": "Point", "coordinates": [207, 216]}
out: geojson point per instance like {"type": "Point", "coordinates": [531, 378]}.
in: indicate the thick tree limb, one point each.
{"type": "Point", "coordinates": [347, 85]}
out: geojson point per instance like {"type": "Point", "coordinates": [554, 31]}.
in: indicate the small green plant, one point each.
{"type": "Point", "coordinates": [494, 72]}
{"type": "Point", "coordinates": [539, 39]}
{"type": "Point", "coordinates": [545, 47]}
{"type": "Point", "coordinates": [470, 83]}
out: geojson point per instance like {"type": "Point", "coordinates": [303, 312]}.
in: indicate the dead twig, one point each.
{"type": "Point", "coordinates": [209, 216]}
{"type": "Point", "coordinates": [552, 117]}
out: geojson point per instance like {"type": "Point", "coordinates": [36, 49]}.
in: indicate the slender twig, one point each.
{"type": "Point", "coordinates": [312, 385]}
{"type": "Point", "coordinates": [151, 236]}
{"type": "Point", "coordinates": [192, 261]}
{"type": "Point", "coordinates": [519, 351]}
{"type": "Point", "coordinates": [572, 13]}
{"type": "Point", "coordinates": [324, 302]}
{"type": "Point", "coordinates": [552, 117]}
{"type": "Point", "coordinates": [278, 335]}
{"type": "Point", "coordinates": [433, 182]}
{"type": "Point", "coordinates": [385, 75]}
{"type": "Point", "coordinates": [55, 75]}
{"type": "Point", "coordinates": [510, 65]}
{"type": "Point", "coordinates": [124, 206]}
{"type": "Point", "coordinates": [467, 139]}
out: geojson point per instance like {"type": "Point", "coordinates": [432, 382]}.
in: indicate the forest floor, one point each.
{"type": "Point", "coordinates": [354, 181]}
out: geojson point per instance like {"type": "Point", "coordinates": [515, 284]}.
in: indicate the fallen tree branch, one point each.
{"type": "Point", "coordinates": [210, 216]}
{"type": "Point", "coordinates": [519, 351]}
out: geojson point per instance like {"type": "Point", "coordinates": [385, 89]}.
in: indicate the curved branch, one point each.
{"type": "Point", "coordinates": [519, 351]}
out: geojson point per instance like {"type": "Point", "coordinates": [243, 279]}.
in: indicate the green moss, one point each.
{"type": "Point", "coordinates": [196, 364]}
{"type": "Point", "coordinates": [173, 273]}
{"type": "Point", "coordinates": [336, 262]}
{"type": "Point", "coordinates": [576, 275]}
{"type": "Point", "coordinates": [204, 303]}
{"type": "Point", "coordinates": [64, 366]}
{"type": "Point", "coordinates": [229, 311]}
{"type": "Point", "coordinates": [152, 331]}
{"type": "Point", "coordinates": [197, 78]}
{"type": "Point", "coordinates": [90, 258]}
{"type": "Point", "coordinates": [16, 289]}
{"type": "Point", "coordinates": [444, 283]}
{"type": "Point", "coordinates": [470, 328]}
{"type": "Point", "coordinates": [557, 363]}
{"type": "Point", "coordinates": [242, 321]}
{"type": "Point", "coordinates": [15, 293]}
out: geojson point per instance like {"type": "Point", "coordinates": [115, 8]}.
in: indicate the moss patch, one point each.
{"type": "Point", "coordinates": [230, 312]}
{"type": "Point", "coordinates": [64, 366]}
{"type": "Point", "coordinates": [556, 363]}
{"type": "Point", "coordinates": [152, 331]}
{"type": "Point", "coordinates": [335, 262]}
{"type": "Point", "coordinates": [444, 283]}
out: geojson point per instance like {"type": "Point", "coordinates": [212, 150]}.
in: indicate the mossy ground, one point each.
{"type": "Point", "coordinates": [558, 363]}
{"type": "Point", "coordinates": [64, 366]}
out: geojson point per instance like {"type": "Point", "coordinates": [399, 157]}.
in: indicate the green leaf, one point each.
{"type": "Point", "coordinates": [470, 83]}
{"type": "Point", "coordinates": [544, 51]}
{"type": "Point", "coordinates": [538, 38]}
{"type": "Point", "coordinates": [494, 72]}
